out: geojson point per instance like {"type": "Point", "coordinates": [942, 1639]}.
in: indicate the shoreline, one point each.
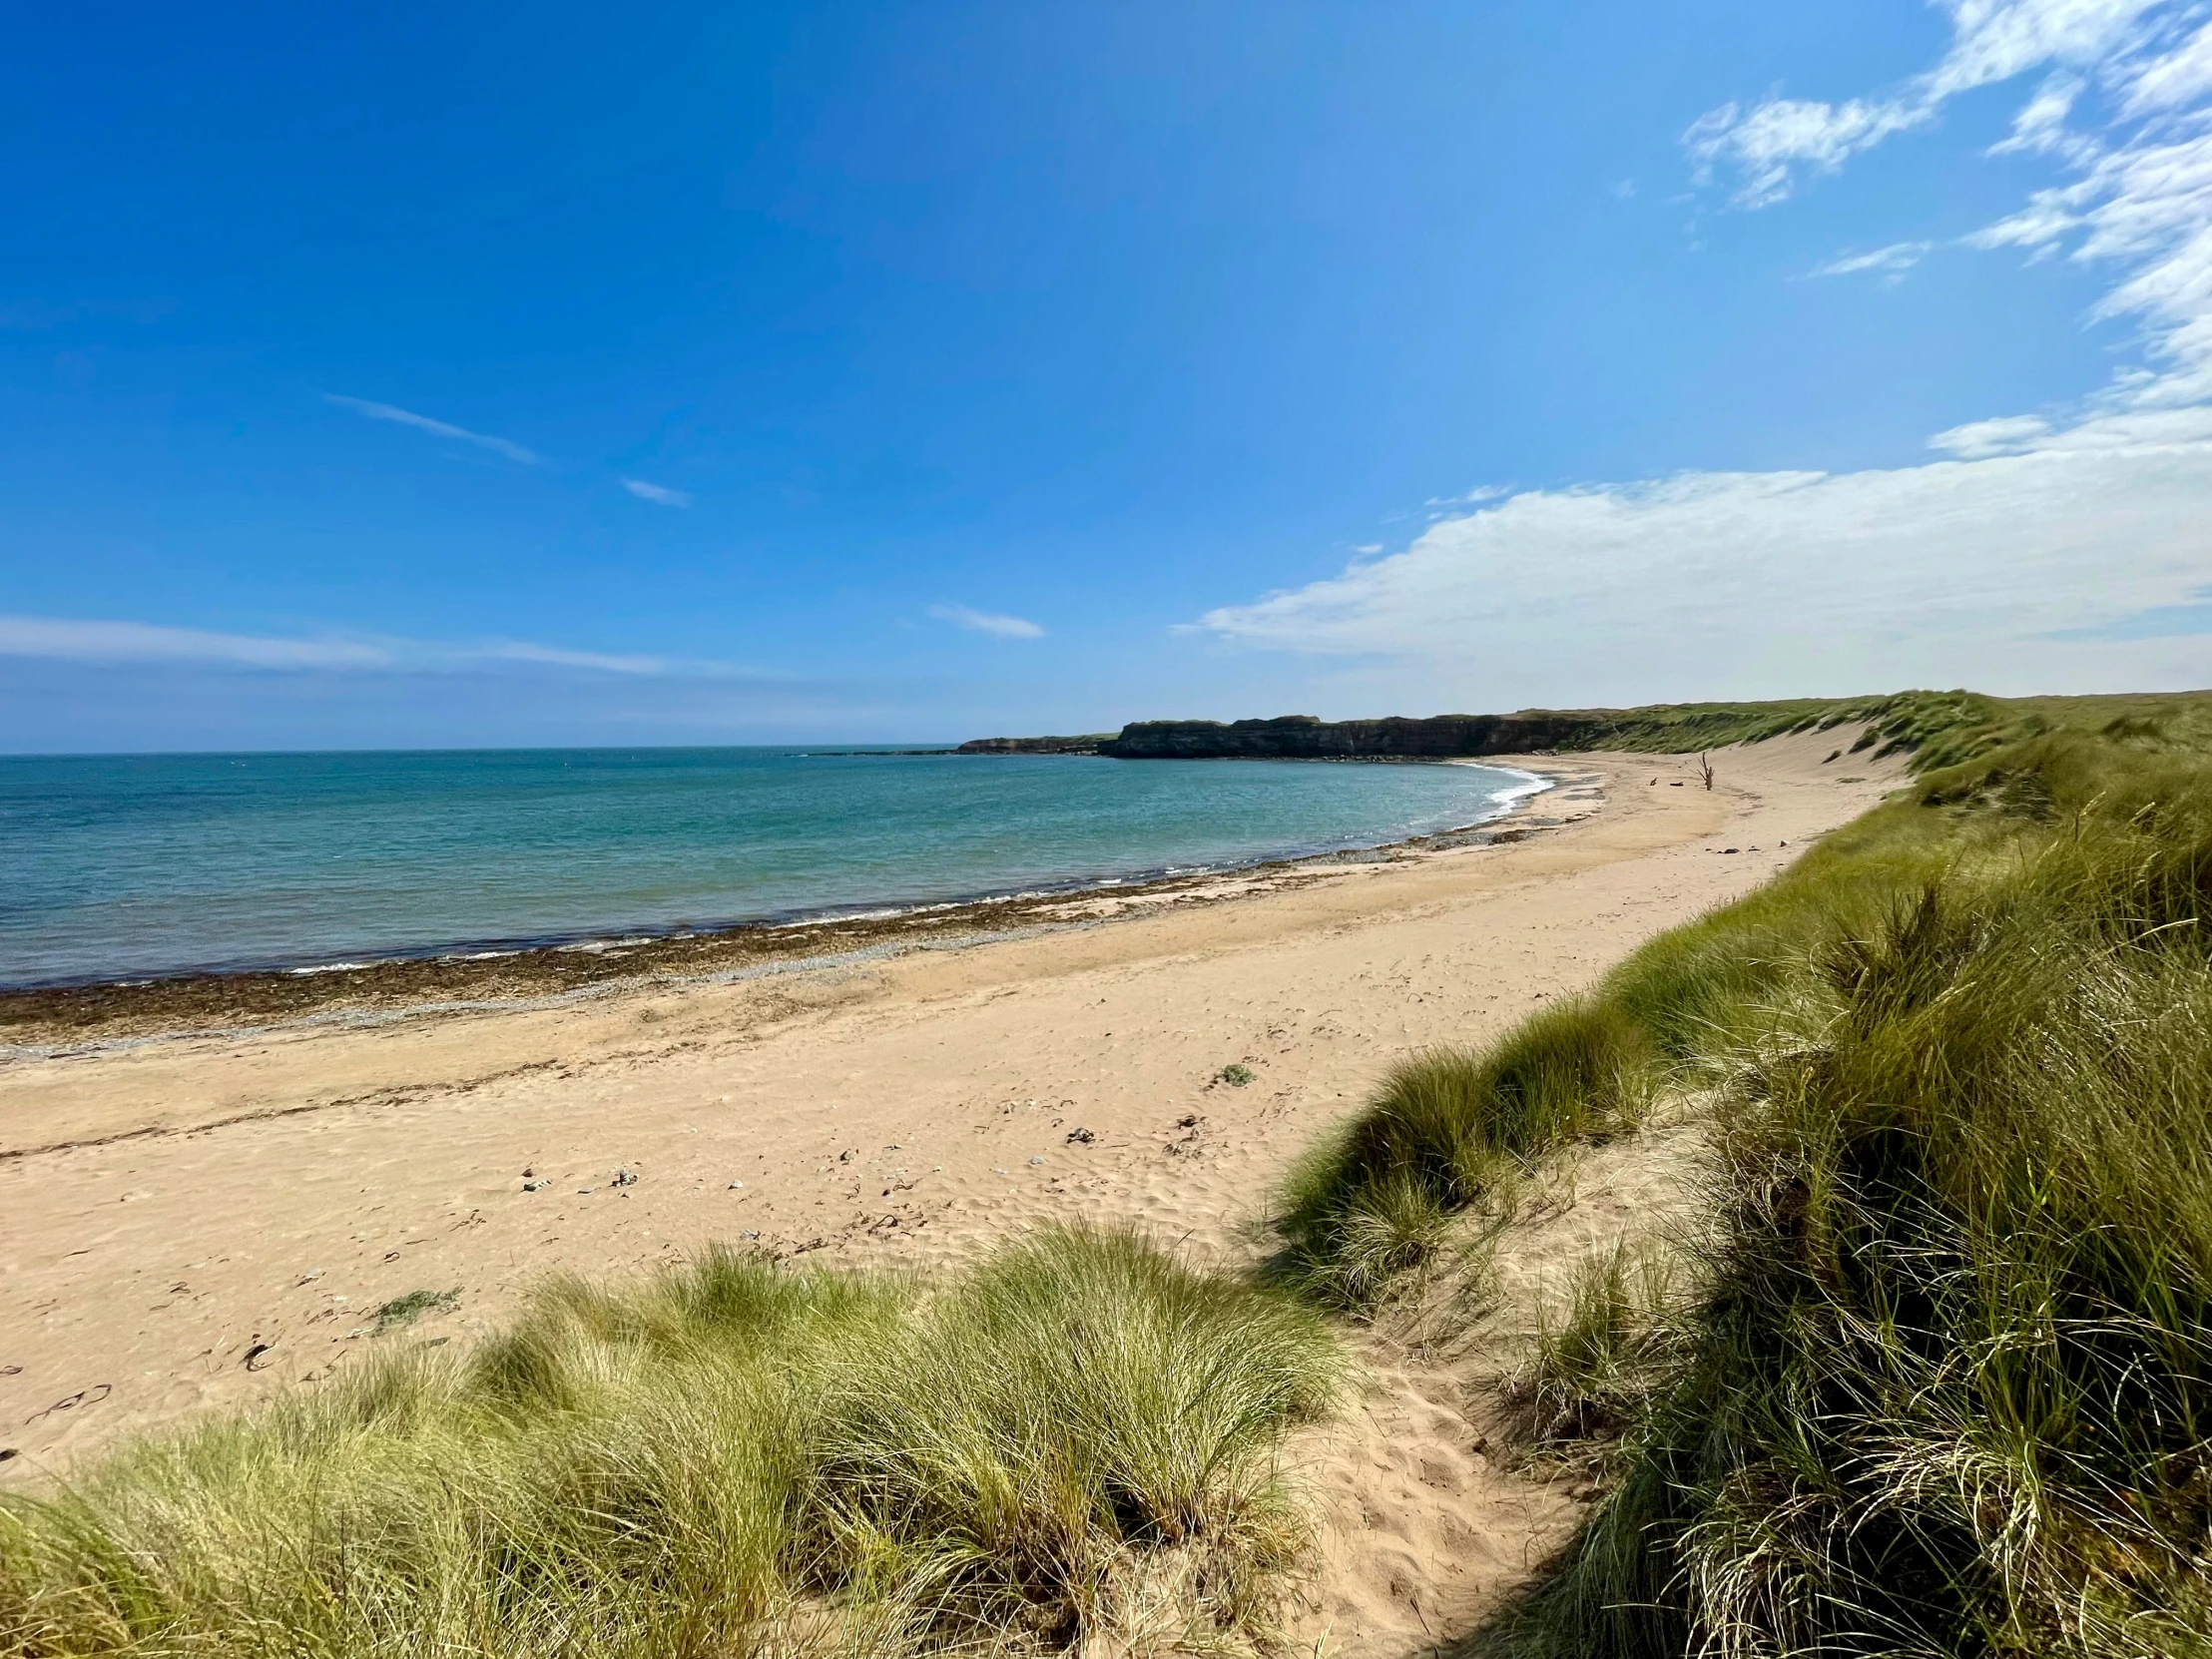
{"type": "Point", "coordinates": [202, 1223]}
{"type": "Point", "coordinates": [90, 1016]}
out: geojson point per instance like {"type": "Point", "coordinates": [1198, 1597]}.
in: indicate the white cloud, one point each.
{"type": "Point", "coordinates": [2167, 79]}
{"type": "Point", "coordinates": [1740, 583]}
{"type": "Point", "coordinates": [1979, 439]}
{"type": "Point", "coordinates": [423, 423]}
{"type": "Point", "coordinates": [1894, 260]}
{"type": "Point", "coordinates": [2146, 205]}
{"type": "Point", "coordinates": [66, 640]}
{"type": "Point", "coordinates": [555, 656]}
{"type": "Point", "coordinates": [1995, 40]}
{"type": "Point", "coordinates": [2040, 126]}
{"type": "Point", "coordinates": [1771, 141]}
{"type": "Point", "coordinates": [660, 494]}
{"type": "Point", "coordinates": [138, 642]}
{"type": "Point", "coordinates": [1773, 144]}
{"type": "Point", "coordinates": [987, 622]}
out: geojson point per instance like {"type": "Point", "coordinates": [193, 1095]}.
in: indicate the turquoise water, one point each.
{"type": "Point", "coordinates": [117, 868]}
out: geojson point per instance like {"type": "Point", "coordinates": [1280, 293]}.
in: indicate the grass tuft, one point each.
{"type": "Point", "coordinates": [1596, 1362]}
{"type": "Point", "coordinates": [403, 1311]}
{"type": "Point", "coordinates": [1078, 1434]}
{"type": "Point", "coordinates": [1455, 1129]}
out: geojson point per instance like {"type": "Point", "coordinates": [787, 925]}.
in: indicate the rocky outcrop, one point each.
{"type": "Point", "coordinates": [1305, 738]}
{"type": "Point", "coordinates": [1094, 743]}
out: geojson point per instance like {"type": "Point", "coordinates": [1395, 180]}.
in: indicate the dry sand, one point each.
{"type": "Point", "coordinates": [196, 1222]}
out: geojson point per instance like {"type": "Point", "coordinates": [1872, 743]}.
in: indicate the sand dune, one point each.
{"type": "Point", "coordinates": [201, 1222]}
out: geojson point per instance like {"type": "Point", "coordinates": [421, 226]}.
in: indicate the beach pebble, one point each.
{"type": "Point", "coordinates": [1034, 1162]}
{"type": "Point", "coordinates": [533, 1186]}
{"type": "Point", "coordinates": [737, 1186]}
{"type": "Point", "coordinates": [310, 1276]}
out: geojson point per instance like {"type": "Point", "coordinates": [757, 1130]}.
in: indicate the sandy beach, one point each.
{"type": "Point", "coordinates": [199, 1221]}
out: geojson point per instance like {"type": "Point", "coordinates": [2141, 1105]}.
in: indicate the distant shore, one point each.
{"type": "Point", "coordinates": [495, 975]}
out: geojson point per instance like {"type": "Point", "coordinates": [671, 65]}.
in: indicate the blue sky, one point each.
{"type": "Point", "coordinates": [669, 373]}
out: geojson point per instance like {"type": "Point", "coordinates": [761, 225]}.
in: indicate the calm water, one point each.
{"type": "Point", "coordinates": [124, 867]}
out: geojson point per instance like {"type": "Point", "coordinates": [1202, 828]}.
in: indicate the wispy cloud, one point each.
{"type": "Point", "coordinates": [139, 642]}
{"type": "Point", "coordinates": [2125, 104]}
{"type": "Point", "coordinates": [599, 661]}
{"type": "Point", "coordinates": [68, 640]}
{"type": "Point", "coordinates": [658, 494]}
{"type": "Point", "coordinates": [1892, 262]}
{"type": "Point", "coordinates": [1770, 146]}
{"type": "Point", "coordinates": [1773, 144]}
{"type": "Point", "coordinates": [988, 622]}
{"type": "Point", "coordinates": [1978, 440]}
{"type": "Point", "coordinates": [439, 428]}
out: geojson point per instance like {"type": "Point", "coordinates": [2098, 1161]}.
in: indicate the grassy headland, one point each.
{"type": "Point", "coordinates": [1940, 1381]}
{"type": "Point", "coordinates": [1940, 728]}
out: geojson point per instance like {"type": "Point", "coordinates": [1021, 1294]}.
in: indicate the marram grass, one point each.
{"type": "Point", "coordinates": [1079, 1436]}
{"type": "Point", "coordinates": [1942, 1382]}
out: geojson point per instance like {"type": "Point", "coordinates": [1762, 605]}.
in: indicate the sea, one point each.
{"type": "Point", "coordinates": [122, 867]}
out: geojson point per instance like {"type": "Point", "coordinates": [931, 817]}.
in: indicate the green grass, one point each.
{"type": "Point", "coordinates": [1936, 729]}
{"type": "Point", "coordinates": [1452, 1130]}
{"type": "Point", "coordinates": [1595, 1359]}
{"type": "Point", "coordinates": [1077, 1436]}
{"type": "Point", "coordinates": [402, 1310]}
{"type": "Point", "coordinates": [1950, 1389]}
{"type": "Point", "coordinates": [1942, 1381]}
